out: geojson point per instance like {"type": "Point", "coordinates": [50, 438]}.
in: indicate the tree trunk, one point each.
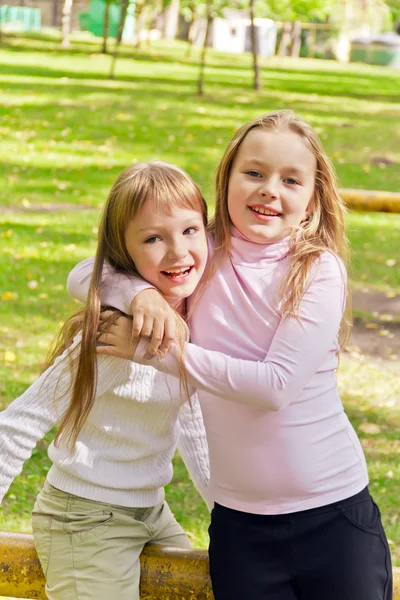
{"type": "Point", "coordinates": [66, 23]}
{"type": "Point", "coordinates": [171, 15]}
{"type": "Point", "coordinates": [200, 82]}
{"type": "Point", "coordinates": [311, 42]}
{"type": "Point", "coordinates": [190, 36]}
{"type": "Point", "coordinates": [285, 39]}
{"type": "Point", "coordinates": [139, 15]}
{"type": "Point", "coordinates": [106, 27]}
{"type": "Point", "coordinates": [55, 13]}
{"type": "Point", "coordinates": [254, 49]}
{"type": "Point", "coordinates": [121, 25]}
{"type": "Point", "coordinates": [296, 39]}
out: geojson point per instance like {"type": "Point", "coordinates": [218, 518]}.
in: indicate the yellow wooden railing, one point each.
{"type": "Point", "coordinates": [166, 573]}
{"type": "Point", "coordinates": [371, 201]}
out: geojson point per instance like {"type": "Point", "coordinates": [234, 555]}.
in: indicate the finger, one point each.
{"type": "Point", "coordinates": [107, 338]}
{"type": "Point", "coordinates": [156, 338]}
{"type": "Point", "coordinates": [169, 335]}
{"type": "Point", "coordinates": [135, 343]}
{"type": "Point", "coordinates": [106, 314]}
{"type": "Point", "coordinates": [137, 325]}
{"type": "Point", "coordinates": [108, 350]}
{"type": "Point", "coordinates": [148, 325]}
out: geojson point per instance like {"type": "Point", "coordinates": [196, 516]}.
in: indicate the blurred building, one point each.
{"type": "Point", "coordinates": [231, 33]}
{"type": "Point", "coordinates": [51, 10]}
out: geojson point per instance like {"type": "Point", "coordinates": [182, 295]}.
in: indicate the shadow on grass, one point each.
{"type": "Point", "coordinates": [318, 82]}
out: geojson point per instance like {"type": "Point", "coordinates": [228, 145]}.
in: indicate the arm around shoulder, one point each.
{"type": "Point", "coordinates": [117, 289]}
{"type": "Point", "coordinates": [299, 347]}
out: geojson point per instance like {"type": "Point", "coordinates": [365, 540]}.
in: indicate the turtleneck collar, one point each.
{"type": "Point", "coordinates": [245, 252]}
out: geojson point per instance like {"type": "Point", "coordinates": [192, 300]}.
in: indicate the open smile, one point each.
{"type": "Point", "coordinates": [178, 274]}
{"type": "Point", "coordinates": [264, 213]}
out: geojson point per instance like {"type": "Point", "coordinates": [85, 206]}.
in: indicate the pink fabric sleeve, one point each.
{"type": "Point", "coordinates": [298, 349]}
{"type": "Point", "coordinates": [117, 290]}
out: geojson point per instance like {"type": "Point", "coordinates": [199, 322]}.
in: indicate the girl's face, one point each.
{"type": "Point", "coordinates": [169, 251]}
{"type": "Point", "coordinates": [271, 184]}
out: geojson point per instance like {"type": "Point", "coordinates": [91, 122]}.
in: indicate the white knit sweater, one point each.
{"type": "Point", "coordinates": [124, 451]}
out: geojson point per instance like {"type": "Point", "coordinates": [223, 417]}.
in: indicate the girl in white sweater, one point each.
{"type": "Point", "coordinates": [119, 422]}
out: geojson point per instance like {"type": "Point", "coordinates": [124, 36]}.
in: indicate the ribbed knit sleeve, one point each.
{"type": "Point", "coordinates": [193, 447]}
{"type": "Point", "coordinates": [117, 290]}
{"type": "Point", "coordinates": [42, 406]}
{"type": "Point", "coordinates": [298, 349]}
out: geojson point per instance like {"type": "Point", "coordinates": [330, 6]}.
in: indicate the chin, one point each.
{"type": "Point", "coordinates": [262, 236]}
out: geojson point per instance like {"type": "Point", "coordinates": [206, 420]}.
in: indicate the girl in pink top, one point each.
{"type": "Point", "coordinates": [293, 518]}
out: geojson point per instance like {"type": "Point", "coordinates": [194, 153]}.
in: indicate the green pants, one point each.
{"type": "Point", "coordinates": [90, 550]}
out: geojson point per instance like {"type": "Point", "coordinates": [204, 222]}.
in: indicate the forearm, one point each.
{"type": "Point", "coordinates": [193, 447]}
{"type": "Point", "coordinates": [116, 290]}
{"type": "Point", "coordinates": [299, 347]}
{"type": "Point", "coordinates": [43, 405]}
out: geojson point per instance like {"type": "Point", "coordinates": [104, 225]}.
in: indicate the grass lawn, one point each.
{"type": "Point", "coordinates": [67, 131]}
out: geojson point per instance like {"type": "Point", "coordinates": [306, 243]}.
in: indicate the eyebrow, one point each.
{"type": "Point", "coordinates": [161, 227]}
{"type": "Point", "coordinates": [260, 163]}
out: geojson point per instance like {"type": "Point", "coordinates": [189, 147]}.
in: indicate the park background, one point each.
{"type": "Point", "coordinates": [68, 128]}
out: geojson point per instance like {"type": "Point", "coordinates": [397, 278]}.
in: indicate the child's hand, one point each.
{"type": "Point", "coordinates": [153, 318]}
{"type": "Point", "coordinates": [117, 335]}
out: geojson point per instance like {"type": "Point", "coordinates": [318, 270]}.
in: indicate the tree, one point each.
{"type": "Point", "coordinates": [209, 20]}
{"type": "Point", "coordinates": [121, 25]}
{"type": "Point", "coordinates": [254, 48]}
{"type": "Point", "coordinates": [106, 25]}
{"type": "Point", "coordinates": [189, 11]}
{"type": "Point", "coordinates": [66, 23]}
{"type": "Point", "coordinates": [295, 10]}
{"type": "Point", "coordinates": [394, 6]}
{"type": "Point", "coordinates": [171, 15]}
{"type": "Point", "coordinates": [292, 13]}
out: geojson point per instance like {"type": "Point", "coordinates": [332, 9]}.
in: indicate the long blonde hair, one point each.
{"type": "Point", "coordinates": [168, 187]}
{"type": "Point", "coordinates": [324, 228]}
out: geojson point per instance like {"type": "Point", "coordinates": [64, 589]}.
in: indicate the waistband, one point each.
{"type": "Point", "coordinates": [362, 496]}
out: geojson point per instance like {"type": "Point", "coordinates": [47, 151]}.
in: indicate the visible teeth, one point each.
{"type": "Point", "coordinates": [263, 211]}
{"type": "Point", "coordinates": [183, 270]}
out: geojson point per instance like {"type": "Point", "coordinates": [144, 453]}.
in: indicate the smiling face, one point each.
{"type": "Point", "coordinates": [271, 184]}
{"type": "Point", "coordinates": [169, 250]}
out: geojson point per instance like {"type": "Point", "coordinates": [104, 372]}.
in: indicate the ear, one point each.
{"type": "Point", "coordinates": [310, 207]}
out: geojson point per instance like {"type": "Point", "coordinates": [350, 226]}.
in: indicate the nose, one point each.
{"type": "Point", "coordinates": [269, 188]}
{"type": "Point", "coordinates": [177, 249]}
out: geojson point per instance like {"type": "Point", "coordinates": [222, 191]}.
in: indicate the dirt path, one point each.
{"type": "Point", "coordinates": [380, 337]}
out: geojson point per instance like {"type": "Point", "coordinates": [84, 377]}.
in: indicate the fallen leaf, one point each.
{"type": "Point", "coordinates": [9, 356]}
{"type": "Point", "coordinates": [9, 296]}
{"type": "Point", "coordinates": [386, 317]}
{"type": "Point", "coordinates": [370, 428]}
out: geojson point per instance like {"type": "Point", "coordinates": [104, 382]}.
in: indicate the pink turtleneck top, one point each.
{"type": "Point", "coordinates": [279, 439]}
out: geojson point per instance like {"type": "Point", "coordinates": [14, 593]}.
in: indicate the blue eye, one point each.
{"type": "Point", "coordinates": [152, 239]}
{"type": "Point", "coordinates": [253, 173]}
{"type": "Point", "coordinates": [190, 231]}
{"type": "Point", "coordinates": [291, 181]}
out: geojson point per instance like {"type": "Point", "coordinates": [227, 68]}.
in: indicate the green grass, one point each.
{"type": "Point", "coordinates": [67, 131]}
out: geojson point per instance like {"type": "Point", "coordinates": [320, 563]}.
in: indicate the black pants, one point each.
{"type": "Point", "coordinates": [335, 552]}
